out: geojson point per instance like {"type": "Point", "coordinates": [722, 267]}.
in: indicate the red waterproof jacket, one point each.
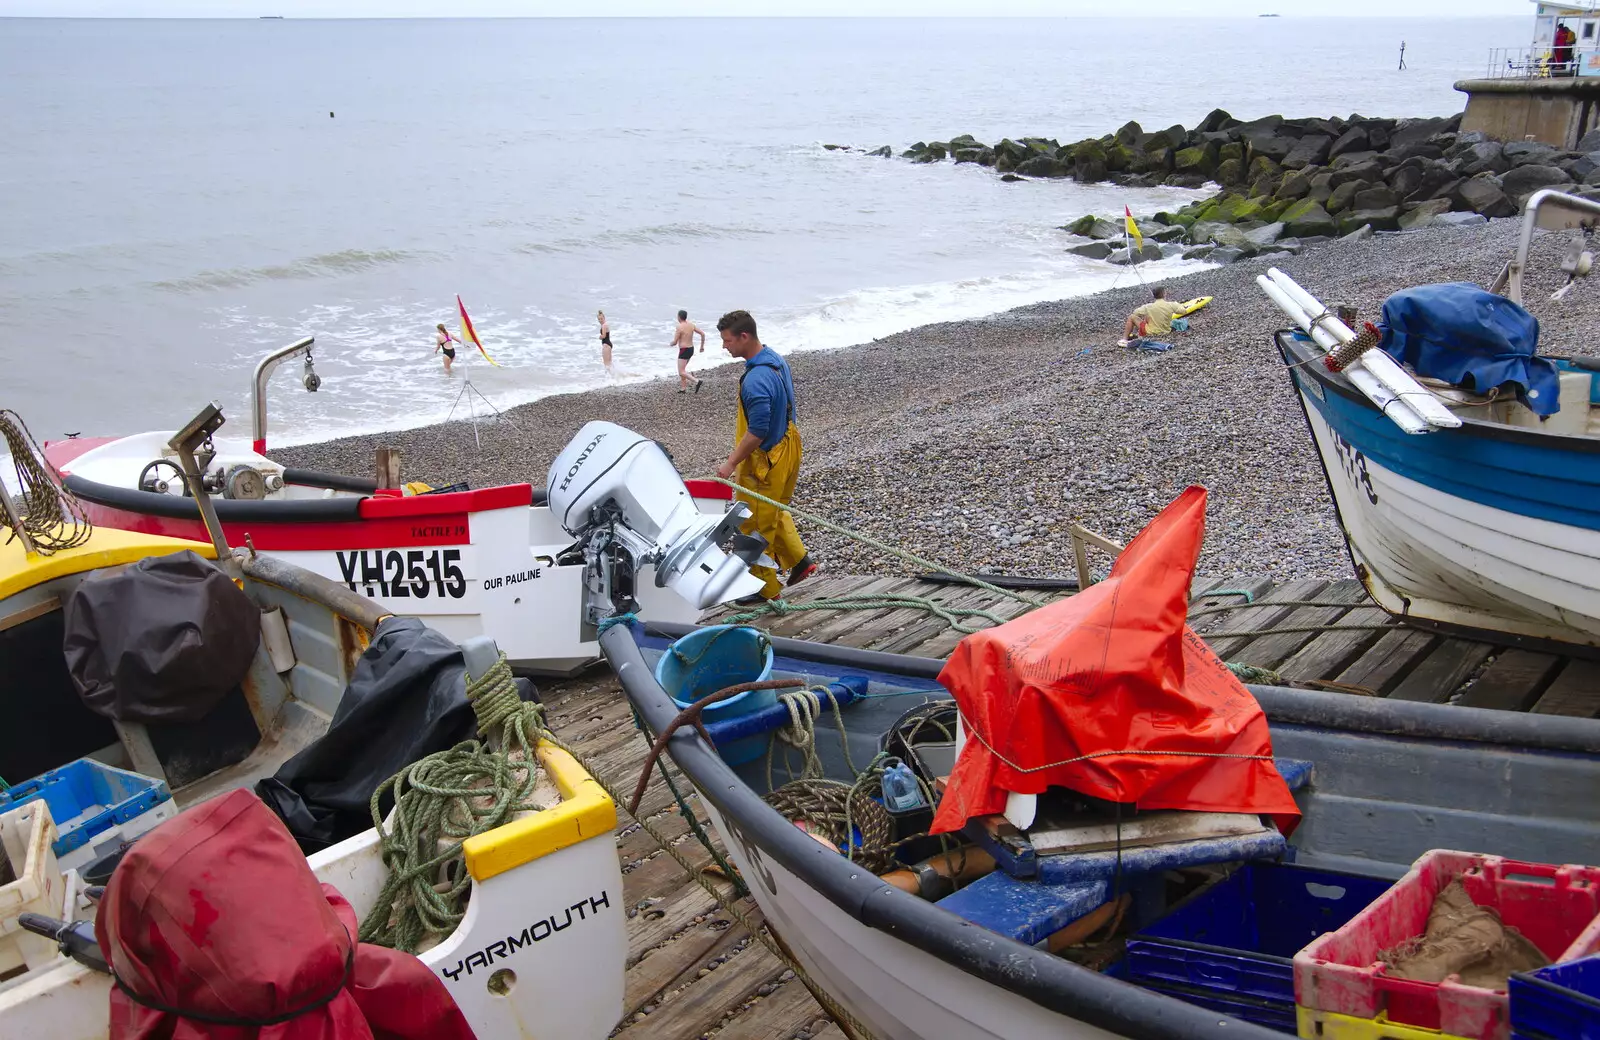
{"type": "Point", "coordinates": [216, 928]}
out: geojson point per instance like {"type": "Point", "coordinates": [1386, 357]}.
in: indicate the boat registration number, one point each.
{"type": "Point", "coordinates": [1354, 464]}
{"type": "Point", "coordinates": [408, 574]}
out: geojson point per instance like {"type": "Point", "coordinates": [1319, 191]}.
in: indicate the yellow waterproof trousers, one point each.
{"type": "Point", "coordinates": [772, 473]}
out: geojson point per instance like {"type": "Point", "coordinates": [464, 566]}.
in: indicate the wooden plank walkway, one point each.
{"type": "Point", "coordinates": [693, 972]}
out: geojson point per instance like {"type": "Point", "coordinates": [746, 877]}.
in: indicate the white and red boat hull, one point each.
{"type": "Point", "coordinates": [468, 563]}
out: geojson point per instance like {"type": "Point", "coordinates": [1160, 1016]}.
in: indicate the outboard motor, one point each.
{"type": "Point", "coordinates": [620, 496]}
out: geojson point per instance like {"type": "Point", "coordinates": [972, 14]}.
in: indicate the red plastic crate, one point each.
{"type": "Point", "coordinates": [1554, 907]}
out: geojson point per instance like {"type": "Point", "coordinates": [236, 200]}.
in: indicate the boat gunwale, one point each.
{"type": "Point", "coordinates": [152, 503]}
{"type": "Point", "coordinates": [1044, 979]}
{"type": "Point", "coordinates": [1378, 716]}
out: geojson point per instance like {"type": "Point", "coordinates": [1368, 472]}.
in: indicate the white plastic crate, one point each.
{"type": "Point", "coordinates": [26, 835]}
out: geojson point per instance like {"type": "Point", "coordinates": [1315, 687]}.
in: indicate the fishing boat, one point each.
{"type": "Point", "coordinates": [1377, 783]}
{"type": "Point", "coordinates": [1487, 526]}
{"type": "Point", "coordinates": [307, 641]}
{"type": "Point", "coordinates": [480, 562]}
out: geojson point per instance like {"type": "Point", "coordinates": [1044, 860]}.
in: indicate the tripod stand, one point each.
{"type": "Point", "coordinates": [468, 388]}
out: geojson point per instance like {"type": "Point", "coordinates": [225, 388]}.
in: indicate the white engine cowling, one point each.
{"type": "Point", "coordinates": [609, 475]}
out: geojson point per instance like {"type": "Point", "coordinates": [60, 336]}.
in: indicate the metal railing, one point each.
{"type": "Point", "coordinates": [1540, 63]}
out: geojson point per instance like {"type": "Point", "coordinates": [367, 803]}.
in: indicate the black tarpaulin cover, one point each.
{"type": "Point", "coordinates": [406, 700]}
{"type": "Point", "coordinates": [161, 641]}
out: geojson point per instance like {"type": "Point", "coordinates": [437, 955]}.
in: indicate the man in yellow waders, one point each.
{"type": "Point", "coordinates": [766, 451]}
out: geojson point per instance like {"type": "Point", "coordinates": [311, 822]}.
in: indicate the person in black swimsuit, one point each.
{"type": "Point", "coordinates": [683, 338]}
{"type": "Point", "coordinates": [605, 344]}
{"type": "Point", "coordinates": [442, 345]}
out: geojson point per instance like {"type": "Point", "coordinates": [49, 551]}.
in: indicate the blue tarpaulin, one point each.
{"type": "Point", "coordinates": [1467, 336]}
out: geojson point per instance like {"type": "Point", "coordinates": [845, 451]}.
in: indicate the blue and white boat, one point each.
{"type": "Point", "coordinates": [1489, 528]}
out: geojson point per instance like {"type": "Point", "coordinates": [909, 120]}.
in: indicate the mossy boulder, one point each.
{"type": "Point", "coordinates": [1225, 208]}
{"type": "Point", "coordinates": [1118, 157]}
{"type": "Point", "coordinates": [1229, 172]}
{"type": "Point", "coordinates": [1014, 150]}
{"type": "Point", "coordinates": [964, 141]}
{"type": "Point", "coordinates": [1344, 196]}
{"type": "Point", "coordinates": [1307, 219]}
{"type": "Point", "coordinates": [1130, 134]}
{"type": "Point", "coordinates": [1294, 187]}
{"type": "Point", "coordinates": [1200, 159]}
{"type": "Point", "coordinates": [1231, 150]}
{"type": "Point", "coordinates": [1263, 186]}
{"type": "Point", "coordinates": [1042, 166]}
{"type": "Point", "coordinates": [1265, 209]}
{"type": "Point", "coordinates": [1261, 166]}
{"type": "Point", "coordinates": [1089, 162]}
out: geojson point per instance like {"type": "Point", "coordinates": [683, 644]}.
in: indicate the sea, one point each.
{"type": "Point", "coordinates": [178, 198]}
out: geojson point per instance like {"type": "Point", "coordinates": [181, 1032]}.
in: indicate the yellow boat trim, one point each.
{"type": "Point", "coordinates": [585, 812]}
{"type": "Point", "coordinates": [1331, 1026]}
{"type": "Point", "coordinates": [106, 548]}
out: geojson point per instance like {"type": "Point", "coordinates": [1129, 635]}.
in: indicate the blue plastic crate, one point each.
{"type": "Point", "coordinates": [1561, 1002]}
{"type": "Point", "coordinates": [1270, 1013]}
{"type": "Point", "coordinates": [88, 798]}
{"type": "Point", "coordinates": [1237, 938]}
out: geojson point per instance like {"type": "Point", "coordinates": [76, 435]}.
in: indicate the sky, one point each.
{"type": "Point", "coordinates": [659, 8]}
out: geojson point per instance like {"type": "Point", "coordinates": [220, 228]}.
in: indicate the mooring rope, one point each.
{"type": "Point", "coordinates": [53, 517]}
{"type": "Point", "coordinates": [442, 800]}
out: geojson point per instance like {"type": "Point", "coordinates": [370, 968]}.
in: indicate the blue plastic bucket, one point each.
{"type": "Point", "coordinates": [712, 659]}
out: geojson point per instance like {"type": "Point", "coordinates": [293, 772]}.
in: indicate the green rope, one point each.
{"type": "Point", "coordinates": [871, 601]}
{"type": "Point", "coordinates": [801, 733]}
{"type": "Point", "coordinates": [876, 544]}
{"type": "Point", "coordinates": [1249, 673]}
{"type": "Point", "coordinates": [442, 800]}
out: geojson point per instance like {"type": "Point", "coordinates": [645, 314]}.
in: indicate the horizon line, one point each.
{"type": "Point", "coordinates": [676, 17]}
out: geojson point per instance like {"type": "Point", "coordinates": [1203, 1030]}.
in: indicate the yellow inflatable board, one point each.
{"type": "Point", "coordinates": [1190, 306]}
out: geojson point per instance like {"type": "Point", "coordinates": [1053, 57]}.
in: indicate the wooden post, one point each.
{"type": "Point", "coordinates": [1082, 538]}
{"type": "Point", "coordinates": [388, 468]}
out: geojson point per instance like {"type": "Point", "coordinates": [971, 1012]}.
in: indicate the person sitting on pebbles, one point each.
{"type": "Point", "coordinates": [1147, 324]}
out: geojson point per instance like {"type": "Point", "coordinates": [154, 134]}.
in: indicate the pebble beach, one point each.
{"type": "Point", "coordinates": [977, 443]}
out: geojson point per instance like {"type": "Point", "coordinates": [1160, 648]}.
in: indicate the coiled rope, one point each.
{"type": "Point", "coordinates": [442, 800]}
{"type": "Point", "coordinates": [53, 517]}
{"type": "Point", "coordinates": [800, 732]}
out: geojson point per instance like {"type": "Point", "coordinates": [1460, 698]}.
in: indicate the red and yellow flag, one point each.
{"type": "Point", "coordinates": [1133, 231]}
{"type": "Point", "coordinates": [470, 334]}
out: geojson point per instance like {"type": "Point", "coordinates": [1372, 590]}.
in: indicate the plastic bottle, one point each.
{"type": "Point", "coordinates": [901, 792]}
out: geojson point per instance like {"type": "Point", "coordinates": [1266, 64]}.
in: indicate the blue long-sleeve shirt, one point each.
{"type": "Point", "coordinates": [767, 392]}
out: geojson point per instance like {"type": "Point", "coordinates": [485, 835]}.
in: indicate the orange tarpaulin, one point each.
{"type": "Point", "coordinates": [1111, 694]}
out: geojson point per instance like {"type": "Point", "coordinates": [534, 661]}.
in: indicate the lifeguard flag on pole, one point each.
{"type": "Point", "coordinates": [470, 334]}
{"type": "Point", "coordinates": [1133, 232]}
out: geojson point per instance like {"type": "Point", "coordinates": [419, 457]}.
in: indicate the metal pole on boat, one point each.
{"type": "Point", "coordinates": [258, 399]}
{"type": "Point", "coordinates": [14, 519]}
{"type": "Point", "coordinates": [186, 442]}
